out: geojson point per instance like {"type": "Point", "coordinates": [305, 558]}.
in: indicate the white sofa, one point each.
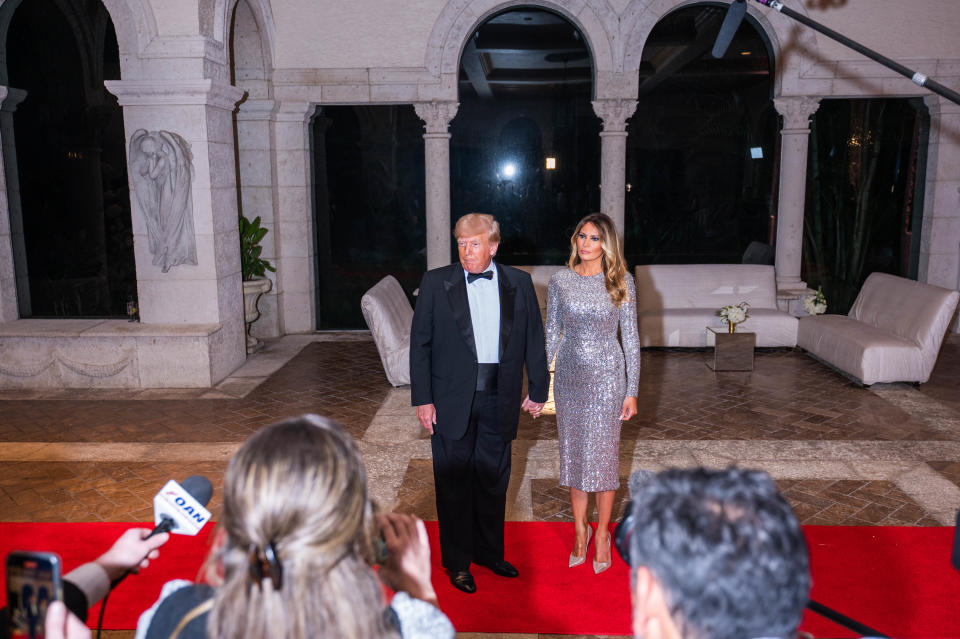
{"type": "Point", "coordinates": [892, 333]}
{"type": "Point", "coordinates": [677, 302]}
{"type": "Point", "coordinates": [388, 315]}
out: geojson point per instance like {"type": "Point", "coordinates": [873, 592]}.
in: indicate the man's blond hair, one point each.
{"type": "Point", "coordinates": [476, 224]}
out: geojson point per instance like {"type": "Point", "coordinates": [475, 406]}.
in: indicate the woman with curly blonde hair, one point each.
{"type": "Point", "coordinates": [595, 379]}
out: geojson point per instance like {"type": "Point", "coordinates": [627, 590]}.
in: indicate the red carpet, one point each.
{"type": "Point", "coordinates": [897, 580]}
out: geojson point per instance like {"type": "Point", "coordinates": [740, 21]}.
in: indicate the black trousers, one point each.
{"type": "Point", "coordinates": [471, 476]}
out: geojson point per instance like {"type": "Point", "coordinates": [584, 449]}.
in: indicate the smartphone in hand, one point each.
{"type": "Point", "coordinates": [33, 581]}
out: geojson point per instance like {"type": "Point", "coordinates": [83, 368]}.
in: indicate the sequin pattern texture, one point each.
{"type": "Point", "coordinates": [592, 375]}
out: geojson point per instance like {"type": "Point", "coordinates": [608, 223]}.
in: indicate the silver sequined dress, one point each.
{"type": "Point", "coordinates": [592, 375]}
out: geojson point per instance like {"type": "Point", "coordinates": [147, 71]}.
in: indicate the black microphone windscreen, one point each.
{"type": "Point", "coordinates": [731, 22]}
{"type": "Point", "coordinates": [956, 543]}
{"type": "Point", "coordinates": [199, 488]}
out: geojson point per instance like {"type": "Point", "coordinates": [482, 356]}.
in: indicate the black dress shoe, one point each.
{"type": "Point", "coordinates": [501, 567]}
{"type": "Point", "coordinates": [463, 580]}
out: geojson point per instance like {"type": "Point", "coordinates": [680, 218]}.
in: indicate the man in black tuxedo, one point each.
{"type": "Point", "coordinates": [476, 324]}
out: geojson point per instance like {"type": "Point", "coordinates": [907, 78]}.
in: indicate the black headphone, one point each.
{"type": "Point", "coordinates": [623, 532]}
{"type": "Point", "coordinates": [624, 529]}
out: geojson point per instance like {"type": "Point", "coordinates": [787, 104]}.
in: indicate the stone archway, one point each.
{"type": "Point", "coordinates": [598, 22]}
{"type": "Point", "coordinates": [72, 157]}
{"type": "Point", "coordinates": [132, 20]}
{"type": "Point", "coordinates": [640, 16]}
{"type": "Point", "coordinates": [217, 18]}
{"type": "Point", "coordinates": [249, 59]}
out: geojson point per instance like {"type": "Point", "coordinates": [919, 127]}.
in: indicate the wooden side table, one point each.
{"type": "Point", "coordinates": [732, 351]}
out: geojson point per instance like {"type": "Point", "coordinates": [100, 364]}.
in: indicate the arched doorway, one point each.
{"type": "Point", "coordinates": [250, 70]}
{"type": "Point", "coordinates": [74, 256]}
{"type": "Point", "coordinates": [525, 143]}
{"type": "Point", "coordinates": [703, 144]}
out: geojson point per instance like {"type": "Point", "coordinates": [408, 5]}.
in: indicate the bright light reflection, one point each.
{"type": "Point", "coordinates": [509, 170]}
{"type": "Point", "coordinates": [551, 164]}
{"type": "Point", "coordinates": [756, 152]}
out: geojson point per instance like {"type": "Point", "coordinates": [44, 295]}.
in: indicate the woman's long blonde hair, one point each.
{"type": "Point", "coordinates": [612, 262]}
{"type": "Point", "coordinates": [298, 489]}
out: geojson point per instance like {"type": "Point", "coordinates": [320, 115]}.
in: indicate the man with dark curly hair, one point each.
{"type": "Point", "coordinates": [714, 554]}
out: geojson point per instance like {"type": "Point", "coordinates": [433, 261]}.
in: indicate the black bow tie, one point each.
{"type": "Point", "coordinates": [473, 277]}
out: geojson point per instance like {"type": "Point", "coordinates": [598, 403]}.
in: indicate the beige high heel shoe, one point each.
{"type": "Point", "coordinates": [600, 566]}
{"type": "Point", "coordinates": [576, 561]}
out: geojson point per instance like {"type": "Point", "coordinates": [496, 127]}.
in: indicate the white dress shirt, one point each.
{"type": "Point", "coordinates": [484, 298]}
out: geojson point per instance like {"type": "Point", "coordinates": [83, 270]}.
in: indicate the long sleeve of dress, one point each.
{"type": "Point", "coordinates": [554, 328]}
{"type": "Point", "coordinates": [630, 338]}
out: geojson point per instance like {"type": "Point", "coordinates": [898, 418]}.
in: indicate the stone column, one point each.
{"type": "Point", "coordinates": [296, 258]}
{"type": "Point", "coordinates": [613, 156]}
{"type": "Point", "coordinates": [795, 136]}
{"type": "Point", "coordinates": [321, 217]}
{"type": "Point", "coordinates": [14, 281]}
{"type": "Point", "coordinates": [255, 164]}
{"type": "Point", "coordinates": [209, 292]}
{"type": "Point", "coordinates": [436, 148]}
{"type": "Point", "coordinates": [940, 234]}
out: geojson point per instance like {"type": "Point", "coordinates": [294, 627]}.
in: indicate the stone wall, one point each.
{"type": "Point", "coordinates": [293, 55]}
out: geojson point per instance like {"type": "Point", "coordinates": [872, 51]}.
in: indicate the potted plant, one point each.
{"type": "Point", "coordinates": [253, 270]}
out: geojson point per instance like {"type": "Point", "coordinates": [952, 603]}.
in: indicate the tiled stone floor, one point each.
{"type": "Point", "coordinates": [842, 454]}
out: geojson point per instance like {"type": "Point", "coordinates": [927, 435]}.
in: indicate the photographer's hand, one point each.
{"type": "Point", "coordinates": [131, 551]}
{"type": "Point", "coordinates": [62, 624]}
{"type": "Point", "coordinates": [408, 556]}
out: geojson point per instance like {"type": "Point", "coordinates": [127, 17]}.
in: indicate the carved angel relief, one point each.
{"type": "Point", "coordinates": [161, 169]}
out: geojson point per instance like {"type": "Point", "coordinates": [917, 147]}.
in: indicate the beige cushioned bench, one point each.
{"type": "Point", "coordinates": [677, 302]}
{"type": "Point", "coordinates": [892, 333]}
{"type": "Point", "coordinates": [388, 315]}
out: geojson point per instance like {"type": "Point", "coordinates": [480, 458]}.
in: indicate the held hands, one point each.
{"type": "Point", "coordinates": [629, 408]}
{"type": "Point", "coordinates": [531, 407]}
{"type": "Point", "coordinates": [427, 414]}
{"type": "Point", "coordinates": [407, 567]}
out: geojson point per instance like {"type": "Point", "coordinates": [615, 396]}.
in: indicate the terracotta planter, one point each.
{"type": "Point", "coordinates": [252, 290]}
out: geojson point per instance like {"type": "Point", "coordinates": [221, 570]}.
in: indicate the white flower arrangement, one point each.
{"type": "Point", "coordinates": [815, 304]}
{"type": "Point", "coordinates": [733, 313]}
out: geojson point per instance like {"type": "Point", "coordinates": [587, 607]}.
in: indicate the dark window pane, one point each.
{"type": "Point", "coordinates": [864, 188]}
{"type": "Point", "coordinates": [77, 245]}
{"type": "Point", "coordinates": [368, 205]}
{"type": "Point", "coordinates": [702, 145]}
{"type": "Point", "coordinates": [526, 80]}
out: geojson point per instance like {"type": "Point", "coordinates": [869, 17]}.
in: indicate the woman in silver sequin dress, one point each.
{"type": "Point", "coordinates": [595, 380]}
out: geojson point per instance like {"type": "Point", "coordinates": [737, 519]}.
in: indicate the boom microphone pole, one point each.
{"type": "Point", "coordinates": [735, 14]}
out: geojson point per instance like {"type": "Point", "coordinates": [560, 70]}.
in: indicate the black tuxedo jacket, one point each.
{"type": "Point", "coordinates": [443, 353]}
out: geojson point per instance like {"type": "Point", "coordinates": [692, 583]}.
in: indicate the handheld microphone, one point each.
{"type": "Point", "coordinates": [731, 22]}
{"type": "Point", "coordinates": [180, 509]}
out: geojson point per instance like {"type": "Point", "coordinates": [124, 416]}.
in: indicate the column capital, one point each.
{"type": "Point", "coordinates": [10, 98]}
{"type": "Point", "coordinates": [939, 105]}
{"type": "Point", "coordinates": [256, 110]}
{"type": "Point", "coordinates": [175, 93]}
{"type": "Point", "coordinates": [796, 111]}
{"type": "Point", "coordinates": [436, 115]}
{"type": "Point", "coordinates": [296, 111]}
{"type": "Point", "coordinates": [614, 112]}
